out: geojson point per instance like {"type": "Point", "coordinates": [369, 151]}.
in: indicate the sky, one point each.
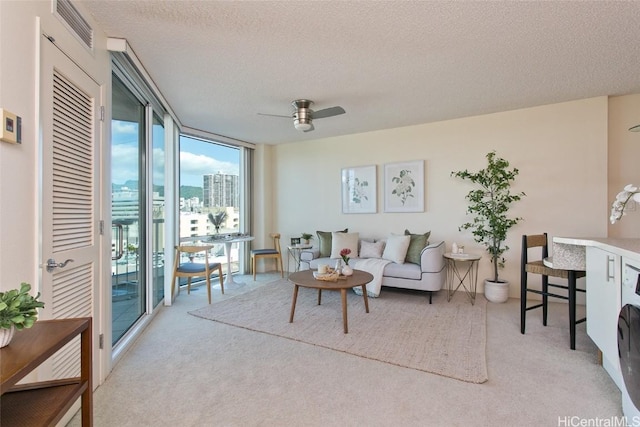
{"type": "Point", "coordinates": [197, 157]}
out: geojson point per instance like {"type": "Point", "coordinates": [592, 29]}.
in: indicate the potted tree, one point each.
{"type": "Point", "coordinates": [18, 310]}
{"type": "Point", "coordinates": [490, 205]}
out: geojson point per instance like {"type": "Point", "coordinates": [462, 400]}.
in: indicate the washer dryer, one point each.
{"type": "Point", "coordinates": [629, 342]}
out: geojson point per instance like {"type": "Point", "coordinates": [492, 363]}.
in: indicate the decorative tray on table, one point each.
{"type": "Point", "coordinates": [330, 276]}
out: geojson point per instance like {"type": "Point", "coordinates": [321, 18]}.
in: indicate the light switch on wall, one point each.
{"type": "Point", "coordinates": [11, 130]}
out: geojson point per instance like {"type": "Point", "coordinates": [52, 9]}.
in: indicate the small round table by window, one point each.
{"type": "Point", "coordinates": [462, 270]}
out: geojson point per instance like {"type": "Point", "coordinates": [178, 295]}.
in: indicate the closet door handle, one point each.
{"type": "Point", "coordinates": [52, 264]}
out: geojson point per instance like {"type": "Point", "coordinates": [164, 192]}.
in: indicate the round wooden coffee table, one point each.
{"type": "Point", "coordinates": [306, 280]}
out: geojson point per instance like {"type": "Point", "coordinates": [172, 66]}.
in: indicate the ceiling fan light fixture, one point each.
{"type": "Point", "coordinates": [303, 115]}
{"type": "Point", "coordinates": [302, 119]}
{"type": "Point", "coordinates": [635, 128]}
{"type": "Point", "coordinates": [303, 125]}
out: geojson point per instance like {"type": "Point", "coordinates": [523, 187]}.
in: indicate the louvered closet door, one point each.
{"type": "Point", "coordinates": [69, 105]}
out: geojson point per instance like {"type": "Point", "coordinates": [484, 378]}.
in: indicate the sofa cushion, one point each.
{"type": "Point", "coordinates": [396, 248]}
{"type": "Point", "coordinates": [404, 271]}
{"type": "Point", "coordinates": [340, 241]}
{"type": "Point", "coordinates": [324, 242]}
{"type": "Point", "coordinates": [416, 245]}
{"type": "Point", "coordinates": [371, 249]}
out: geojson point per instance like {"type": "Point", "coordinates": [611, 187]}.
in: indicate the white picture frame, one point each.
{"type": "Point", "coordinates": [404, 186]}
{"type": "Point", "coordinates": [359, 190]}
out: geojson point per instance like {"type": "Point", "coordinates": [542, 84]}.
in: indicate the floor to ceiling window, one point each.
{"type": "Point", "coordinates": [212, 190]}
{"type": "Point", "coordinates": [209, 196]}
{"type": "Point", "coordinates": [128, 293]}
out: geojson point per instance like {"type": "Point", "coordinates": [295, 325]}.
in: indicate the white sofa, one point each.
{"type": "Point", "coordinates": [429, 276]}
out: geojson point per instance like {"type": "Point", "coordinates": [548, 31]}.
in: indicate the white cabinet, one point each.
{"type": "Point", "coordinates": [604, 270]}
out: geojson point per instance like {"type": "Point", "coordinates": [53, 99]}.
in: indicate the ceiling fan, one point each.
{"type": "Point", "coordinates": [303, 115]}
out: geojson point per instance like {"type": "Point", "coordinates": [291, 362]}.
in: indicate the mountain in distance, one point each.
{"type": "Point", "coordinates": [130, 184]}
{"type": "Point", "coordinates": [188, 192]}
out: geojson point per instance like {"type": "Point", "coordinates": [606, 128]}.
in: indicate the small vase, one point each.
{"type": "Point", "coordinates": [347, 271]}
{"type": "Point", "coordinates": [6, 335]}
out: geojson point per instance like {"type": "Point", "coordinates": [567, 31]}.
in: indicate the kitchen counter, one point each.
{"type": "Point", "coordinates": [569, 252]}
{"type": "Point", "coordinates": [612, 267]}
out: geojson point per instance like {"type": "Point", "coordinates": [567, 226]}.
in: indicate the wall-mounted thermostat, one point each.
{"type": "Point", "coordinates": [11, 130]}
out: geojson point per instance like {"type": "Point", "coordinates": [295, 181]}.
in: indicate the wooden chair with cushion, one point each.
{"type": "Point", "coordinates": [192, 269]}
{"type": "Point", "coordinates": [274, 253]}
{"type": "Point", "coordinates": [538, 267]}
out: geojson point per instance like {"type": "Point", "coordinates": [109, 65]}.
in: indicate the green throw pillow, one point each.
{"type": "Point", "coordinates": [324, 240]}
{"type": "Point", "coordinates": [417, 244]}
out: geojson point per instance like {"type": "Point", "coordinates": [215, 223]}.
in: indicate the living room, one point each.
{"type": "Point", "coordinates": [573, 157]}
{"type": "Point", "coordinates": [555, 148]}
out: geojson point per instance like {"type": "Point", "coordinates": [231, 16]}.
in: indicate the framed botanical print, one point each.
{"type": "Point", "coordinates": [359, 190]}
{"type": "Point", "coordinates": [404, 187]}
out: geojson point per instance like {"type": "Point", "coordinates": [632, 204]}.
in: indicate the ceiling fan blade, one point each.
{"type": "Point", "coordinates": [310, 129]}
{"type": "Point", "coordinates": [275, 115]}
{"type": "Point", "coordinates": [328, 112]}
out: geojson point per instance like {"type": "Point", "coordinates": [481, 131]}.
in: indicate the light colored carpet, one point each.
{"type": "Point", "coordinates": [402, 328]}
{"type": "Point", "coordinates": [187, 371]}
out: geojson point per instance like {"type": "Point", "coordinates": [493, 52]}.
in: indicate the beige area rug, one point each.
{"type": "Point", "coordinates": [444, 338]}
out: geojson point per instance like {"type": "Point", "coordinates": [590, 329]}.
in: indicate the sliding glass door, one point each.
{"type": "Point", "coordinates": [128, 293]}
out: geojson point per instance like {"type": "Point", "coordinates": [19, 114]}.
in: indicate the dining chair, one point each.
{"type": "Point", "coordinates": [538, 267]}
{"type": "Point", "coordinates": [192, 269]}
{"type": "Point", "coordinates": [274, 253]}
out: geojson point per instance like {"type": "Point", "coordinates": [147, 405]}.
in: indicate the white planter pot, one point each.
{"type": "Point", "coordinates": [6, 335]}
{"type": "Point", "coordinates": [496, 291]}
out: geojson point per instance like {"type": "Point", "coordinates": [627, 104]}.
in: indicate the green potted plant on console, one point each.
{"type": "Point", "coordinates": [490, 205]}
{"type": "Point", "coordinates": [18, 310]}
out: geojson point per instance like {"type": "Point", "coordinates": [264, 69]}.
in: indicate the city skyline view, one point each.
{"type": "Point", "coordinates": [197, 157]}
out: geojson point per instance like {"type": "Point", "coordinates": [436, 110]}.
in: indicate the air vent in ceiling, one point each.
{"type": "Point", "coordinates": [69, 14]}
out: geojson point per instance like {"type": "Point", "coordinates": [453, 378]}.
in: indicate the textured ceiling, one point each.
{"type": "Point", "coordinates": [388, 64]}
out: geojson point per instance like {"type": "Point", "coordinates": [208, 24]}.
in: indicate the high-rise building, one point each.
{"type": "Point", "coordinates": [220, 191]}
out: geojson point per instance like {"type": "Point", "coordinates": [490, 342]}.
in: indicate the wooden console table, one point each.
{"type": "Point", "coordinates": [44, 403]}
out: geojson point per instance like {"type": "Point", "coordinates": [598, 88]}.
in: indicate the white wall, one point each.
{"type": "Point", "coordinates": [19, 185]}
{"type": "Point", "coordinates": [624, 152]}
{"type": "Point", "coordinates": [560, 150]}
{"type": "Point", "coordinates": [18, 162]}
